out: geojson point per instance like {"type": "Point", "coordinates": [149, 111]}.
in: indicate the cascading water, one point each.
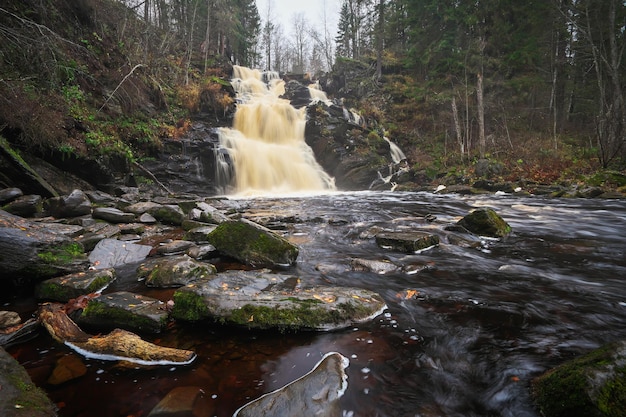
{"type": "Point", "coordinates": [266, 143]}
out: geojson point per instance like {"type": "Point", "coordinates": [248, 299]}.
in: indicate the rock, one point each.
{"type": "Point", "coordinates": [252, 244]}
{"type": "Point", "coordinates": [9, 194]}
{"type": "Point", "coordinates": [298, 94]}
{"type": "Point", "coordinates": [378, 267]}
{"type": "Point", "coordinates": [263, 300]}
{"type": "Point", "coordinates": [67, 368]}
{"type": "Point", "coordinates": [207, 213]}
{"type": "Point", "coordinates": [178, 402]}
{"type": "Point", "coordinates": [174, 247]}
{"type": "Point", "coordinates": [100, 198]}
{"type": "Point", "coordinates": [408, 242]}
{"type": "Point", "coordinates": [32, 253]}
{"type": "Point", "coordinates": [19, 397]}
{"type": "Point", "coordinates": [73, 205]}
{"type": "Point", "coordinates": [147, 218]}
{"type": "Point", "coordinates": [202, 251]}
{"type": "Point", "coordinates": [199, 234]}
{"type": "Point", "coordinates": [110, 253]}
{"type": "Point", "coordinates": [589, 386]}
{"type": "Point", "coordinates": [173, 272]}
{"type": "Point", "coordinates": [142, 207]}
{"type": "Point", "coordinates": [9, 319]}
{"type": "Point", "coordinates": [113, 215]}
{"type": "Point", "coordinates": [117, 345]}
{"type": "Point", "coordinates": [485, 222]}
{"type": "Point", "coordinates": [168, 214]}
{"type": "Point", "coordinates": [25, 206]}
{"type": "Point", "coordinates": [315, 394]}
{"type": "Point", "coordinates": [19, 332]}
{"type": "Point", "coordinates": [74, 285]}
{"type": "Point", "coordinates": [125, 310]}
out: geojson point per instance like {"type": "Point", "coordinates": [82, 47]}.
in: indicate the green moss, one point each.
{"type": "Point", "coordinates": [301, 314]}
{"type": "Point", "coordinates": [30, 397]}
{"type": "Point", "coordinates": [100, 313]}
{"type": "Point", "coordinates": [189, 306]}
{"type": "Point", "coordinates": [485, 222]}
{"type": "Point", "coordinates": [62, 255]}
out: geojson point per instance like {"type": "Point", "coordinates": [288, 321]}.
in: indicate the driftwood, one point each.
{"type": "Point", "coordinates": [117, 345]}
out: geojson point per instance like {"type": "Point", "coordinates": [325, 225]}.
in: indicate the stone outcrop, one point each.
{"type": "Point", "coordinates": [485, 222]}
{"type": "Point", "coordinates": [262, 300]}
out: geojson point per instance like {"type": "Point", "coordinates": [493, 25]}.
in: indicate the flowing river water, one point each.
{"type": "Point", "coordinates": [466, 330]}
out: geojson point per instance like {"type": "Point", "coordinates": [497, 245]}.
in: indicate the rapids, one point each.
{"type": "Point", "coordinates": [466, 330]}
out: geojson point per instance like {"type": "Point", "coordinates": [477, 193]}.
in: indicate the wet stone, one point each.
{"type": "Point", "coordinates": [142, 207]}
{"type": "Point", "coordinates": [199, 234]}
{"type": "Point", "coordinates": [168, 214]}
{"type": "Point", "coordinates": [9, 319]}
{"type": "Point", "coordinates": [408, 242]}
{"type": "Point", "coordinates": [315, 394]}
{"type": "Point", "coordinates": [127, 311]}
{"type": "Point", "coordinates": [113, 215]}
{"type": "Point", "coordinates": [173, 271]}
{"type": "Point", "coordinates": [485, 222]}
{"type": "Point", "coordinates": [67, 368]}
{"type": "Point", "coordinates": [74, 285]}
{"type": "Point", "coordinates": [147, 218]}
{"type": "Point", "coordinates": [112, 252]}
{"type": "Point", "coordinates": [178, 402]}
{"type": "Point", "coordinates": [174, 247]}
{"type": "Point", "coordinates": [9, 194]}
{"type": "Point", "coordinates": [25, 206]}
{"type": "Point", "coordinates": [262, 300]}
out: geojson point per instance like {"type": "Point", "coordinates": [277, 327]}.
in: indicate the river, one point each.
{"type": "Point", "coordinates": [466, 330]}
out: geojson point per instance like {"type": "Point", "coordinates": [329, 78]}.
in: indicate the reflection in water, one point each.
{"type": "Point", "coordinates": [267, 142]}
{"type": "Point", "coordinates": [463, 336]}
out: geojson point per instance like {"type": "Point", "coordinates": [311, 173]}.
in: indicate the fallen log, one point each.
{"type": "Point", "coordinates": [117, 345]}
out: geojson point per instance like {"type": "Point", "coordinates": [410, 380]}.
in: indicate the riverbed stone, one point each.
{"type": "Point", "coordinates": [315, 394]}
{"type": "Point", "coordinates": [19, 397]}
{"type": "Point", "coordinates": [485, 222]}
{"type": "Point", "coordinates": [25, 206]}
{"type": "Point", "coordinates": [179, 401]}
{"type": "Point", "coordinates": [252, 244]}
{"type": "Point", "coordinates": [408, 242]}
{"type": "Point", "coordinates": [74, 285]}
{"type": "Point", "coordinates": [67, 368]}
{"type": "Point", "coordinates": [110, 253]}
{"type": "Point", "coordinates": [113, 215]}
{"type": "Point", "coordinates": [263, 300]}
{"type": "Point", "coordinates": [173, 271]}
{"type": "Point", "coordinates": [73, 205]}
{"type": "Point", "coordinates": [19, 333]}
{"type": "Point", "coordinates": [174, 247]}
{"type": "Point", "coordinates": [125, 310]}
{"type": "Point", "coordinates": [168, 214]}
{"type": "Point", "coordinates": [10, 194]}
{"type": "Point", "coordinates": [592, 385]}
{"type": "Point", "coordinates": [9, 319]}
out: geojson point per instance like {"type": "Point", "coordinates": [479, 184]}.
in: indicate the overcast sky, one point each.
{"type": "Point", "coordinates": [282, 11]}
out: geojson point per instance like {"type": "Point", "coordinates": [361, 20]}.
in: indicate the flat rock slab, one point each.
{"type": "Point", "coordinates": [314, 394]}
{"type": "Point", "coordinates": [408, 242]}
{"type": "Point", "coordinates": [74, 285]}
{"type": "Point", "coordinates": [264, 300]}
{"type": "Point", "coordinates": [125, 310]}
{"type": "Point", "coordinates": [110, 253]}
{"type": "Point", "coordinates": [178, 402]}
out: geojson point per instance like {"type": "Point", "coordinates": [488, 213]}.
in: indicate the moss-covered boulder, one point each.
{"type": "Point", "coordinates": [252, 244]}
{"type": "Point", "coordinates": [408, 242]}
{"type": "Point", "coordinates": [168, 213]}
{"type": "Point", "coordinates": [74, 285]}
{"type": "Point", "coordinates": [127, 311]}
{"type": "Point", "coordinates": [263, 300]}
{"type": "Point", "coordinates": [19, 397]}
{"type": "Point", "coordinates": [485, 222]}
{"type": "Point", "coordinates": [593, 385]}
{"type": "Point", "coordinates": [173, 271]}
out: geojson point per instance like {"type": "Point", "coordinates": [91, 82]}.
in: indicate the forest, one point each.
{"type": "Point", "coordinates": [537, 86]}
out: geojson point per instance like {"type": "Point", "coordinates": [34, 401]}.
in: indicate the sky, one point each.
{"type": "Point", "coordinates": [284, 10]}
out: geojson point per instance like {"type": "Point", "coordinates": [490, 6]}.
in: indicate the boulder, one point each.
{"type": "Point", "coordinates": [19, 397]}
{"type": "Point", "coordinates": [485, 222]}
{"type": "Point", "coordinates": [110, 253]}
{"type": "Point", "coordinates": [73, 205]}
{"type": "Point", "coordinates": [168, 214]}
{"type": "Point", "coordinates": [173, 272]}
{"type": "Point", "coordinates": [590, 386]}
{"type": "Point", "coordinates": [408, 242]}
{"type": "Point", "coordinates": [74, 285]}
{"type": "Point", "coordinates": [25, 206]}
{"type": "Point", "coordinates": [175, 247]}
{"type": "Point", "coordinates": [264, 300]}
{"type": "Point", "coordinates": [125, 310]}
{"type": "Point", "coordinates": [9, 194]}
{"type": "Point", "coordinates": [252, 244]}
{"type": "Point", "coordinates": [315, 394]}
{"type": "Point", "coordinates": [32, 253]}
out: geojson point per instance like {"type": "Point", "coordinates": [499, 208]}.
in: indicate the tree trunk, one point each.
{"type": "Point", "coordinates": [481, 116]}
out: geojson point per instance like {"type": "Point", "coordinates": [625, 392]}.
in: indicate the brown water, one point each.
{"type": "Point", "coordinates": [463, 336]}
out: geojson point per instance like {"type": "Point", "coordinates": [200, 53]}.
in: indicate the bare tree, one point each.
{"type": "Point", "coordinates": [300, 40]}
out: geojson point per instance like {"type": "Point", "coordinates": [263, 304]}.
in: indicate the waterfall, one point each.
{"type": "Point", "coordinates": [266, 143]}
{"type": "Point", "coordinates": [397, 155]}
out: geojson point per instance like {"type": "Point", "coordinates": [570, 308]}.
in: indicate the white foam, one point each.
{"type": "Point", "coordinates": [107, 357]}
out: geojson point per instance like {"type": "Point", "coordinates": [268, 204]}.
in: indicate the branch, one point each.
{"type": "Point", "coordinates": [119, 85]}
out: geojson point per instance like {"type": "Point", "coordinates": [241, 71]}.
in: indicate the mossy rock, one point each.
{"type": "Point", "coordinates": [74, 285]}
{"type": "Point", "coordinates": [593, 385]}
{"type": "Point", "coordinates": [125, 310]}
{"type": "Point", "coordinates": [408, 242]}
{"type": "Point", "coordinates": [262, 300]}
{"type": "Point", "coordinates": [173, 271]}
{"type": "Point", "coordinates": [252, 244]}
{"type": "Point", "coordinates": [485, 222]}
